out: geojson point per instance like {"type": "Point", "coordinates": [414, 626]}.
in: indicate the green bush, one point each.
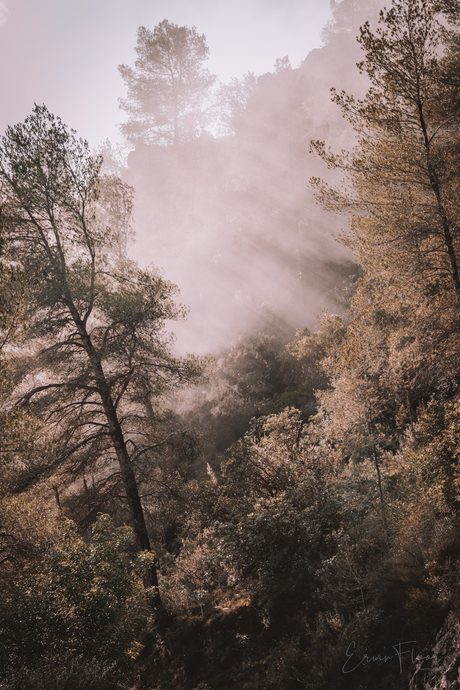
{"type": "Point", "coordinates": [74, 600]}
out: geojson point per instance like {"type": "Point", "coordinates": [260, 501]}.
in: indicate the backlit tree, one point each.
{"type": "Point", "coordinates": [94, 353]}
{"type": "Point", "coordinates": [168, 89]}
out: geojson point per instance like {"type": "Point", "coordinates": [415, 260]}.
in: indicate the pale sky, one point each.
{"type": "Point", "coordinates": [65, 53]}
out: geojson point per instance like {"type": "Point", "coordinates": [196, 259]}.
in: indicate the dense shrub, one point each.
{"type": "Point", "coordinates": [74, 600]}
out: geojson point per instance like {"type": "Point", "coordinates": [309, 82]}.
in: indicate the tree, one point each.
{"type": "Point", "coordinates": [402, 183]}
{"type": "Point", "coordinates": [168, 90]}
{"type": "Point", "coordinates": [94, 354]}
{"type": "Point", "coordinates": [404, 178]}
{"type": "Point", "coordinates": [349, 15]}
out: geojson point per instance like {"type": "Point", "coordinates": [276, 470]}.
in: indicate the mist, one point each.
{"type": "Point", "coordinates": [65, 54]}
{"type": "Point", "coordinates": [230, 216]}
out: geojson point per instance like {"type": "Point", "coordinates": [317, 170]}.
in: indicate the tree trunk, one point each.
{"type": "Point", "coordinates": [436, 187]}
{"type": "Point", "coordinates": [118, 441]}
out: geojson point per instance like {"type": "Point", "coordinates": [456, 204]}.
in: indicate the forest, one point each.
{"type": "Point", "coordinates": [280, 509]}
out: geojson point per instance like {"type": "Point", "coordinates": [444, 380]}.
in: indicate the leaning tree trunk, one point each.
{"type": "Point", "coordinates": [119, 444]}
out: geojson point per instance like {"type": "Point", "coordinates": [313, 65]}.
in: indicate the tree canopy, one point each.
{"type": "Point", "coordinates": [94, 353]}
{"type": "Point", "coordinates": [349, 15]}
{"type": "Point", "coordinates": [168, 89]}
{"type": "Point", "coordinates": [404, 177]}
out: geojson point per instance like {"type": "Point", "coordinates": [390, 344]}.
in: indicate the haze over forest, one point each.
{"type": "Point", "coordinates": [230, 216]}
{"type": "Point", "coordinates": [230, 356]}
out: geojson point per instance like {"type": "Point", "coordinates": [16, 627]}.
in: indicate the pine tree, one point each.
{"type": "Point", "coordinates": [168, 90]}
{"type": "Point", "coordinates": [94, 349]}
{"type": "Point", "coordinates": [402, 179]}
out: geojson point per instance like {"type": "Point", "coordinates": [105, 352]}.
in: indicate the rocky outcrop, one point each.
{"type": "Point", "coordinates": [438, 668]}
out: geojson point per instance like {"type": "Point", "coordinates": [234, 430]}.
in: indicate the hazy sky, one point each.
{"type": "Point", "coordinates": [65, 53]}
